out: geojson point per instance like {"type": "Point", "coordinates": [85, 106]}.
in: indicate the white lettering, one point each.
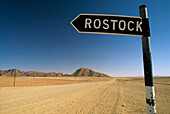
{"type": "Point", "coordinates": [107, 25]}
{"type": "Point", "coordinates": [131, 29]}
{"type": "Point", "coordinates": [138, 26]}
{"type": "Point", "coordinates": [124, 25]}
{"type": "Point", "coordinates": [97, 27]}
{"type": "Point", "coordinates": [88, 22]}
{"type": "Point", "coordinates": [114, 21]}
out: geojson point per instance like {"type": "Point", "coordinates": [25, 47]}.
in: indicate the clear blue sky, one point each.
{"type": "Point", "coordinates": [37, 35]}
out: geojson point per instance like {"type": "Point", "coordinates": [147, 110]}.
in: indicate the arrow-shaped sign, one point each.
{"type": "Point", "coordinates": [111, 24]}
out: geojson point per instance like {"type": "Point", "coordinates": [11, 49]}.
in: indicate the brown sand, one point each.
{"type": "Point", "coordinates": [7, 81]}
{"type": "Point", "coordinates": [118, 96]}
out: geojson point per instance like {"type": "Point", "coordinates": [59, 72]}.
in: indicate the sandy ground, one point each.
{"type": "Point", "coordinates": [117, 96]}
{"type": "Point", "coordinates": [7, 81]}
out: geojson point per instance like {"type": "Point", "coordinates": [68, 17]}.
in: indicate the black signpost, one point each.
{"type": "Point", "coordinates": [147, 61]}
{"type": "Point", "coordinates": [124, 25]}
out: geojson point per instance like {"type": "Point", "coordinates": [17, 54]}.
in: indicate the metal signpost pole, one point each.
{"type": "Point", "coordinates": [149, 86]}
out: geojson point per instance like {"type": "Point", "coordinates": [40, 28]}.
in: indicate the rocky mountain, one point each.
{"type": "Point", "coordinates": [88, 72]}
{"type": "Point", "coordinates": [79, 72]}
{"type": "Point", "coordinates": [11, 72]}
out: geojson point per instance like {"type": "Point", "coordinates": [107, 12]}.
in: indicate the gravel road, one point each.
{"type": "Point", "coordinates": [111, 97]}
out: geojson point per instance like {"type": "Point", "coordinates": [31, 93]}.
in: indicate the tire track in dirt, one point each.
{"type": "Point", "coordinates": [102, 103]}
{"type": "Point", "coordinates": [119, 107]}
{"type": "Point", "coordinates": [90, 101]}
{"type": "Point", "coordinates": [79, 100]}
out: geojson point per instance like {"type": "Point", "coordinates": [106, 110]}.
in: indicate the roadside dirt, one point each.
{"type": "Point", "coordinates": [117, 96]}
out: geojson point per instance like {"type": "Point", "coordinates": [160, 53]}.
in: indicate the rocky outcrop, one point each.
{"type": "Point", "coordinates": [88, 72]}
{"type": "Point", "coordinates": [12, 72]}
{"type": "Point", "coordinates": [79, 72]}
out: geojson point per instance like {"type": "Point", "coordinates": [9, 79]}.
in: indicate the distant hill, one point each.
{"type": "Point", "coordinates": [11, 72]}
{"type": "Point", "coordinates": [78, 72]}
{"type": "Point", "coordinates": [88, 72]}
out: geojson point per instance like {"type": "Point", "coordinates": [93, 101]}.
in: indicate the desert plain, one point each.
{"type": "Point", "coordinates": [80, 95]}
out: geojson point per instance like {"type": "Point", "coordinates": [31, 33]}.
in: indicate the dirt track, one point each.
{"type": "Point", "coordinates": [112, 97]}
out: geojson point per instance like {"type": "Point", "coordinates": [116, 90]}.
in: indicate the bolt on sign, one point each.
{"type": "Point", "coordinates": [111, 24]}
